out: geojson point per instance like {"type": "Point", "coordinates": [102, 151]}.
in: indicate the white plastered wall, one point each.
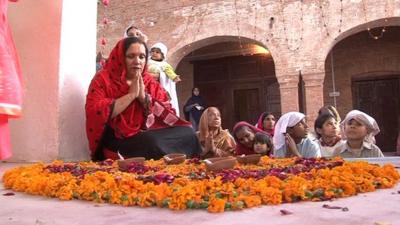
{"type": "Point", "coordinates": [56, 43]}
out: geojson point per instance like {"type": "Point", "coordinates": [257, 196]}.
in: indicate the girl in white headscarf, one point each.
{"type": "Point", "coordinates": [290, 138]}
{"type": "Point", "coordinates": [163, 72]}
{"type": "Point", "coordinates": [359, 129]}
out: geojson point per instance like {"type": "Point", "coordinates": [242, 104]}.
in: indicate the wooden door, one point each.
{"type": "Point", "coordinates": [240, 86]}
{"type": "Point", "coordinates": [246, 104]}
{"type": "Point", "coordinates": [215, 95]}
{"type": "Point", "coordinates": [380, 98]}
{"type": "Point", "coordinates": [273, 99]}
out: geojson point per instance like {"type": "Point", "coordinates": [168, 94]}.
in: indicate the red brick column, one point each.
{"type": "Point", "coordinates": [288, 86]}
{"type": "Point", "coordinates": [314, 95]}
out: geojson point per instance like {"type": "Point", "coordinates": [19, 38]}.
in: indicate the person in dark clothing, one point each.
{"type": "Point", "coordinates": [194, 107]}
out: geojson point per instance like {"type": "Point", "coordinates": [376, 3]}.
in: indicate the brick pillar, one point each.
{"type": "Point", "coordinates": [314, 95]}
{"type": "Point", "coordinates": [288, 86]}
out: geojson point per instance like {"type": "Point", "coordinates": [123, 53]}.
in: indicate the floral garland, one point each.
{"type": "Point", "coordinates": [189, 185]}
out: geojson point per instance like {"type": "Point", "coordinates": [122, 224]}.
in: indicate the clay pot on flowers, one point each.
{"type": "Point", "coordinates": [174, 158]}
{"type": "Point", "coordinates": [220, 163]}
{"type": "Point", "coordinates": [124, 163]}
{"type": "Point", "coordinates": [249, 159]}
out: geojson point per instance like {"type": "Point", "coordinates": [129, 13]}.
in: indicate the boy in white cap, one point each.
{"type": "Point", "coordinates": [358, 129]}
{"type": "Point", "coordinates": [290, 138]}
{"type": "Point", "coordinates": [163, 72]}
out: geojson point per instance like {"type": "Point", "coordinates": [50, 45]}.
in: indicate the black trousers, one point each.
{"type": "Point", "coordinates": [154, 144]}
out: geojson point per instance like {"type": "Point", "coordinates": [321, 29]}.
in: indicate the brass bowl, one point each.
{"type": "Point", "coordinates": [249, 159]}
{"type": "Point", "coordinates": [124, 163]}
{"type": "Point", "coordinates": [220, 163]}
{"type": "Point", "coordinates": [174, 158]}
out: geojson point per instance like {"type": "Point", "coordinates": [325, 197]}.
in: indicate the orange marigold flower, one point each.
{"type": "Point", "coordinates": [216, 205]}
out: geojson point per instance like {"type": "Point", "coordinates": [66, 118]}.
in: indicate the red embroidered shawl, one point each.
{"type": "Point", "coordinates": [109, 84]}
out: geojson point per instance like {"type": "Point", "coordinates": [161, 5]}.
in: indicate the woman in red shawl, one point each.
{"type": "Point", "coordinates": [128, 112]}
{"type": "Point", "coordinates": [10, 82]}
{"type": "Point", "coordinates": [244, 134]}
{"type": "Point", "coordinates": [266, 122]}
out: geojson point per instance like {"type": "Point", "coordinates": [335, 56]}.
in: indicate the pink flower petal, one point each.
{"type": "Point", "coordinates": [106, 2]}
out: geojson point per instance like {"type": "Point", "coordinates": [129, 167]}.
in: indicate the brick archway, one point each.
{"type": "Point", "coordinates": [366, 75]}
{"type": "Point", "coordinates": [388, 21]}
{"type": "Point", "coordinates": [186, 46]}
{"type": "Point", "coordinates": [231, 72]}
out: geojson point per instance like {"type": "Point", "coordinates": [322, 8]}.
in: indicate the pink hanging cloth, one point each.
{"type": "Point", "coordinates": [10, 82]}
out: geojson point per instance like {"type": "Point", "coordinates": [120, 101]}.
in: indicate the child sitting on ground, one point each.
{"type": "Point", "coordinates": [327, 133]}
{"type": "Point", "coordinates": [290, 137]}
{"type": "Point", "coordinates": [263, 144]}
{"type": "Point", "coordinates": [163, 72]}
{"type": "Point", "coordinates": [358, 129]}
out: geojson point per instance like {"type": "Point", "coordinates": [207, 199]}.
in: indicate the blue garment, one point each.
{"type": "Point", "coordinates": [307, 148]}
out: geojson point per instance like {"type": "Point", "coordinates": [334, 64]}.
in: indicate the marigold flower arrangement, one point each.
{"type": "Point", "coordinates": [190, 186]}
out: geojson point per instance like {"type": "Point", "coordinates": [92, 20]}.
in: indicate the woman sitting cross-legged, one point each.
{"type": "Point", "coordinates": [244, 135]}
{"type": "Point", "coordinates": [358, 129]}
{"type": "Point", "coordinates": [127, 111]}
{"type": "Point", "coordinates": [214, 141]}
{"type": "Point", "coordinates": [291, 139]}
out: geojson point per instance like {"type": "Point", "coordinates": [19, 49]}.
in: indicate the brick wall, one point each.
{"type": "Point", "coordinates": [360, 55]}
{"type": "Point", "coordinates": [298, 35]}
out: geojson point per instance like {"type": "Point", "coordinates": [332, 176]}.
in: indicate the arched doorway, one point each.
{"type": "Point", "coordinates": [237, 76]}
{"type": "Point", "coordinates": [366, 76]}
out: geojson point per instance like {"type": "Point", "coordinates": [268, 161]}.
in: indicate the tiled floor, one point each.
{"type": "Point", "coordinates": [21, 209]}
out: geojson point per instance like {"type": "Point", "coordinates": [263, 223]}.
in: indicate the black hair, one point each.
{"type": "Point", "coordinates": [319, 122]}
{"type": "Point", "coordinates": [331, 110]}
{"type": "Point", "coordinates": [195, 88]}
{"type": "Point", "coordinates": [132, 40]}
{"type": "Point", "coordinates": [263, 138]}
{"type": "Point", "coordinates": [265, 114]}
{"type": "Point", "coordinates": [130, 28]}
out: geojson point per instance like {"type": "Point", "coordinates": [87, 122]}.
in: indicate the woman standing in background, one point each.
{"type": "Point", "coordinates": [194, 107]}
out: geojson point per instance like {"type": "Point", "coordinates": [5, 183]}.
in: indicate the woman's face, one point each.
{"type": "Point", "coordinates": [135, 60]}
{"type": "Point", "coordinates": [330, 128]}
{"type": "Point", "coordinates": [245, 137]}
{"type": "Point", "coordinates": [269, 122]}
{"type": "Point", "coordinates": [299, 130]}
{"type": "Point", "coordinates": [214, 118]}
{"type": "Point", "coordinates": [196, 91]}
{"type": "Point", "coordinates": [355, 130]}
